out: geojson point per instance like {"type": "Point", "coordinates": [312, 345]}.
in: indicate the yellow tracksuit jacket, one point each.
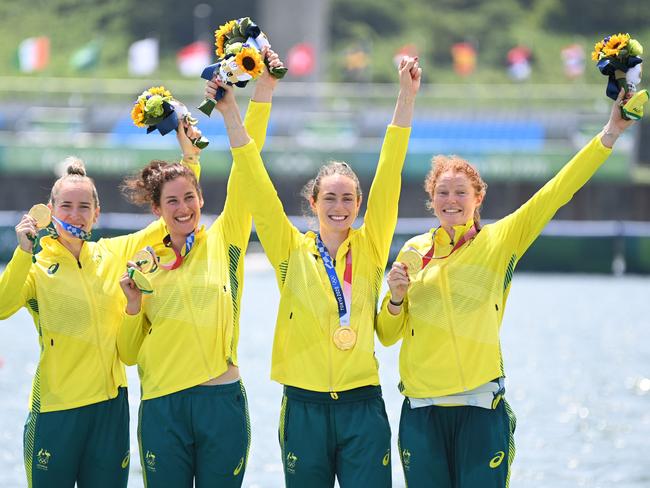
{"type": "Point", "coordinates": [303, 352]}
{"type": "Point", "coordinates": [77, 307]}
{"type": "Point", "coordinates": [451, 318]}
{"type": "Point", "coordinates": [188, 329]}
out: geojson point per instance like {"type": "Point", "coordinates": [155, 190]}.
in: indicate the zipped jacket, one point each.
{"type": "Point", "coordinates": [451, 317]}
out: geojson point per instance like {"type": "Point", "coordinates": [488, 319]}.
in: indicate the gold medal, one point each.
{"type": "Point", "coordinates": [141, 281]}
{"type": "Point", "coordinates": [412, 259]}
{"type": "Point", "coordinates": [344, 338]}
{"type": "Point", "coordinates": [146, 259]}
{"type": "Point", "coordinates": [41, 214]}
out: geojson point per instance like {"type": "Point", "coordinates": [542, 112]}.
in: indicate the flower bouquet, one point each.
{"type": "Point", "coordinates": [156, 109]}
{"type": "Point", "coordinates": [618, 57]}
{"type": "Point", "coordinates": [239, 59]}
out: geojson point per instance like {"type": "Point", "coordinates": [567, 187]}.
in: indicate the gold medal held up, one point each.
{"type": "Point", "coordinates": [146, 259]}
{"type": "Point", "coordinates": [148, 262]}
{"type": "Point", "coordinates": [41, 214]}
{"type": "Point", "coordinates": [412, 259]}
{"type": "Point", "coordinates": [344, 338]}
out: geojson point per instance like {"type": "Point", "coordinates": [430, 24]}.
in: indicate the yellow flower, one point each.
{"type": "Point", "coordinates": [615, 43]}
{"type": "Point", "coordinates": [220, 36]}
{"type": "Point", "coordinates": [595, 56]}
{"type": "Point", "coordinates": [160, 90]}
{"type": "Point", "coordinates": [250, 61]}
{"type": "Point", "coordinates": [137, 114]}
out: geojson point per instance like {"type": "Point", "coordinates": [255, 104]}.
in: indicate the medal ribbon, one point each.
{"type": "Point", "coordinates": [77, 232]}
{"type": "Point", "coordinates": [466, 237]}
{"type": "Point", "coordinates": [343, 295]}
{"type": "Point", "coordinates": [189, 242]}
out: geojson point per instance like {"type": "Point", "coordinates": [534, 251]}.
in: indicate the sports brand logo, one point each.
{"type": "Point", "coordinates": [495, 462]}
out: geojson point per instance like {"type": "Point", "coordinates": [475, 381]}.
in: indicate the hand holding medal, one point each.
{"type": "Point", "coordinates": [38, 217]}
{"type": "Point", "coordinates": [144, 262]}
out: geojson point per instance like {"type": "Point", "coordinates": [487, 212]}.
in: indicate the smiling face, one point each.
{"type": "Point", "coordinates": [180, 206]}
{"type": "Point", "coordinates": [454, 199]}
{"type": "Point", "coordinates": [337, 204]}
{"type": "Point", "coordinates": [74, 203]}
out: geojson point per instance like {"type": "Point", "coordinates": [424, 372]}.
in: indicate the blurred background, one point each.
{"type": "Point", "coordinates": [508, 84]}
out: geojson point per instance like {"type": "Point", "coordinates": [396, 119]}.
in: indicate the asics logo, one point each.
{"type": "Point", "coordinates": [239, 467]}
{"type": "Point", "coordinates": [125, 461]}
{"type": "Point", "coordinates": [496, 460]}
{"type": "Point", "coordinates": [386, 459]}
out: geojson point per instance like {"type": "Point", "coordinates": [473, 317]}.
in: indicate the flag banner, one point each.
{"type": "Point", "coordinates": [143, 57]}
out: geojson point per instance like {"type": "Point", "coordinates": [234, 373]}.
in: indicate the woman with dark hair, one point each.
{"type": "Point", "coordinates": [77, 430]}
{"type": "Point", "coordinates": [448, 292]}
{"type": "Point", "coordinates": [193, 425]}
{"type": "Point", "coordinates": [333, 423]}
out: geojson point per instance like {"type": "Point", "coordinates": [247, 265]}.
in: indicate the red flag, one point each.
{"type": "Point", "coordinates": [301, 59]}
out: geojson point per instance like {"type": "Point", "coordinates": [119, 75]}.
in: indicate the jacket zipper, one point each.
{"type": "Point", "coordinates": [449, 312]}
{"type": "Point", "coordinates": [94, 325]}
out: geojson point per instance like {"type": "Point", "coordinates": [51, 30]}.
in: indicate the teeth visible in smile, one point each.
{"type": "Point", "coordinates": [338, 217]}
{"type": "Point", "coordinates": [183, 219]}
{"type": "Point", "coordinates": [455, 210]}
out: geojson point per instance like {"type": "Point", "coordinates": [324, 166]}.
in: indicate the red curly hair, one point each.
{"type": "Point", "coordinates": [441, 164]}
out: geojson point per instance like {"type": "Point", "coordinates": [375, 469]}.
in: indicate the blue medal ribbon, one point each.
{"type": "Point", "coordinates": [344, 317]}
{"type": "Point", "coordinates": [77, 232]}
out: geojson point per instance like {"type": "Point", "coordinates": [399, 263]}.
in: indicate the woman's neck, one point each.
{"type": "Point", "coordinates": [178, 241]}
{"type": "Point", "coordinates": [73, 245]}
{"type": "Point", "coordinates": [333, 240]}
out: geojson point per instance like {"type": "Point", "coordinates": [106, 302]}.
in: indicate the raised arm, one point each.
{"type": "Point", "coordinates": [381, 213]}
{"type": "Point", "coordinates": [16, 285]}
{"type": "Point", "coordinates": [236, 216]}
{"type": "Point", "coordinates": [522, 227]}
{"type": "Point", "coordinates": [274, 229]}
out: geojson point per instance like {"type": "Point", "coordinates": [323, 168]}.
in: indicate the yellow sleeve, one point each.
{"type": "Point", "coordinates": [256, 121]}
{"type": "Point", "coordinates": [390, 328]}
{"type": "Point", "coordinates": [275, 231]}
{"type": "Point", "coordinates": [523, 226]}
{"type": "Point", "coordinates": [132, 332]}
{"type": "Point", "coordinates": [16, 283]}
{"type": "Point", "coordinates": [381, 212]}
{"type": "Point", "coordinates": [236, 217]}
{"type": "Point", "coordinates": [124, 247]}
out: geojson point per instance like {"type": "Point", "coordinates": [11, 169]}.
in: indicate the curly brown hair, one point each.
{"type": "Point", "coordinates": [441, 164]}
{"type": "Point", "coordinates": [145, 187]}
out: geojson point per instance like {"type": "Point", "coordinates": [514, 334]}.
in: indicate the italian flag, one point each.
{"type": "Point", "coordinates": [34, 54]}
